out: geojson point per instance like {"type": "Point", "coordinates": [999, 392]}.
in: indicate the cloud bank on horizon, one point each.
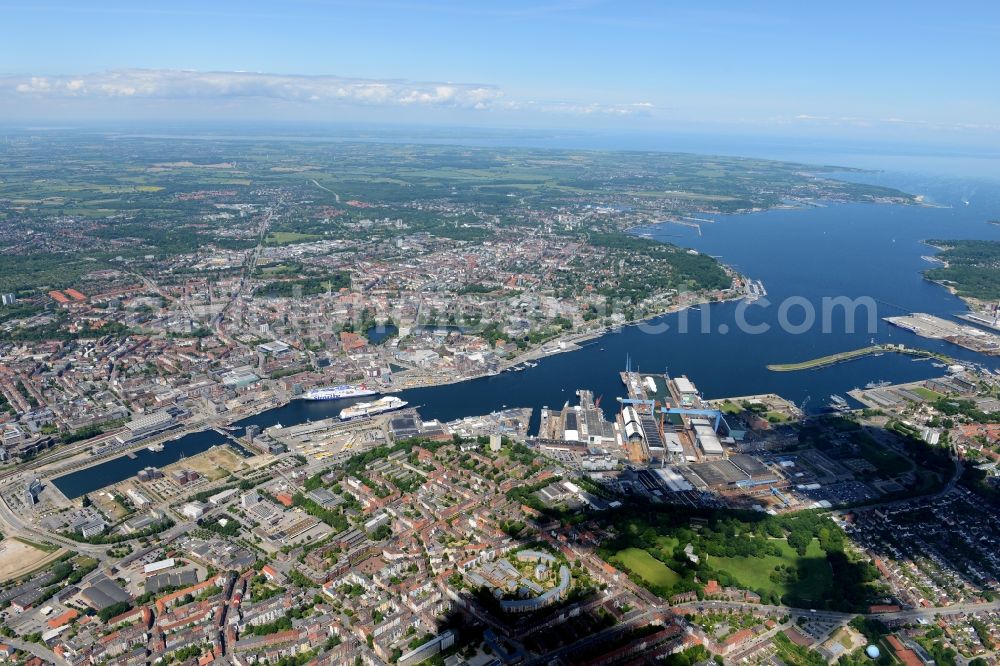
{"type": "Point", "coordinates": [158, 94]}
{"type": "Point", "coordinates": [305, 89]}
{"type": "Point", "coordinates": [851, 70]}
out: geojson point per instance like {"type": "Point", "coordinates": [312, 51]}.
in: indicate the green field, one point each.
{"type": "Point", "coordinates": [814, 578]}
{"type": "Point", "coordinates": [888, 463]}
{"type": "Point", "coordinates": [277, 269]}
{"type": "Point", "coordinates": [647, 567]}
{"type": "Point", "coordinates": [289, 237]}
{"type": "Point", "coordinates": [729, 407]}
{"type": "Point", "coordinates": [927, 394]}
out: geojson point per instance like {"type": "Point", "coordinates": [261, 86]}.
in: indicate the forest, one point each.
{"type": "Point", "coordinates": [971, 267]}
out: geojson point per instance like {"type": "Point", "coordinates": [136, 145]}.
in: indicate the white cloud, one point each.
{"type": "Point", "coordinates": [584, 109]}
{"type": "Point", "coordinates": [890, 121]}
{"type": "Point", "coordinates": [196, 85]}
{"type": "Point", "coordinates": [179, 84]}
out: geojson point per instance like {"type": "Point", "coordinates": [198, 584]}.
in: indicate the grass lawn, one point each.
{"type": "Point", "coordinates": [927, 394]}
{"type": "Point", "coordinates": [277, 269]}
{"type": "Point", "coordinates": [44, 547]}
{"type": "Point", "coordinates": [647, 567]}
{"type": "Point", "coordinates": [288, 237]}
{"type": "Point", "coordinates": [888, 463]}
{"type": "Point", "coordinates": [815, 576]}
{"type": "Point", "coordinates": [667, 543]}
{"type": "Point", "coordinates": [729, 407]}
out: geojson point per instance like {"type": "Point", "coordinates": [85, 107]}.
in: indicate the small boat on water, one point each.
{"type": "Point", "coordinates": [155, 448]}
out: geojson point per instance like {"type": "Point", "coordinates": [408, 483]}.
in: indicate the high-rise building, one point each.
{"type": "Point", "coordinates": [8, 299]}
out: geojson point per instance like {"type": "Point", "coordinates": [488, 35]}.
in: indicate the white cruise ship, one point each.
{"type": "Point", "coordinates": [338, 392]}
{"type": "Point", "coordinates": [380, 406]}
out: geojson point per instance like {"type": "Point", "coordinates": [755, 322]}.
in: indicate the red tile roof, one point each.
{"type": "Point", "coordinates": [65, 618]}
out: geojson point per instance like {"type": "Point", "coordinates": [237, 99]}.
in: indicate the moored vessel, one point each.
{"type": "Point", "coordinates": [338, 392]}
{"type": "Point", "coordinates": [838, 403]}
{"type": "Point", "coordinates": [364, 409]}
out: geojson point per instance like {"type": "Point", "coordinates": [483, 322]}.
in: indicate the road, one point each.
{"type": "Point", "coordinates": [12, 525]}
{"type": "Point", "coordinates": [833, 616]}
{"type": "Point", "coordinates": [326, 189]}
{"type": "Point", "coordinates": [249, 268]}
{"type": "Point", "coordinates": [747, 648]}
{"type": "Point", "coordinates": [39, 651]}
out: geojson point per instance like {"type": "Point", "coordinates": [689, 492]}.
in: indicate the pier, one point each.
{"type": "Point", "coordinates": [842, 357]}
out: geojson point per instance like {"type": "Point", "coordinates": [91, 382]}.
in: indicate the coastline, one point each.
{"type": "Point", "coordinates": [566, 342]}
{"type": "Point", "coordinates": [573, 340]}
{"type": "Point", "coordinates": [570, 340]}
{"type": "Point", "coordinates": [972, 304]}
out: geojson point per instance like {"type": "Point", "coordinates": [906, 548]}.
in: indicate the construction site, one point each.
{"type": "Point", "coordinates": [332, 439]}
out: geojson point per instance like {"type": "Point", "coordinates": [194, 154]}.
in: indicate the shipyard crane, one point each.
{"type": "Point", "coordinates": [712, 413]}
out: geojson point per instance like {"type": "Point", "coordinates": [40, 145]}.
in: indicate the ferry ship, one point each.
{"type": "Point", "coordinates": [363, 409]}
{"type": "Point", "coordinates": [338, 392]}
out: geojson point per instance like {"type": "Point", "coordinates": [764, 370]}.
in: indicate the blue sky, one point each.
{"type": "Point", "coordinates": [920, 71]}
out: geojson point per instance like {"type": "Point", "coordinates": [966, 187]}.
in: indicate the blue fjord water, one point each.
{"type": "Point", "coordinates": [852, 250]}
